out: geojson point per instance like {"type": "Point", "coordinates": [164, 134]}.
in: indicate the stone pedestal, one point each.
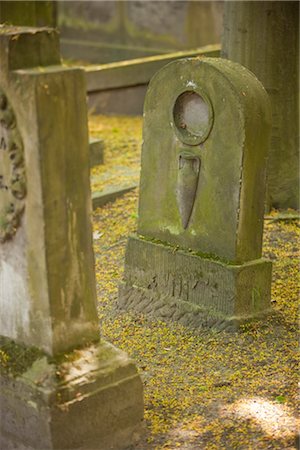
{"type": "Point", "coordinates": [197, 255]}
{"type": "Point", "coordinates": [84, 399]}
{"type": "Point", "coordinates": [193, 290]}
{"type": "Point", "coordinates": [76, 393]}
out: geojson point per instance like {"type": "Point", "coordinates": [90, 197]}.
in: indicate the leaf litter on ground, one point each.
{"type": "Point", "coordinates": [202, 390]}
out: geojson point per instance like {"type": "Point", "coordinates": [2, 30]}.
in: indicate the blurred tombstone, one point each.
{"type": "Point", "coordinates": [41, 13]}
{"type": "Point", "coordinates": [264, 37]}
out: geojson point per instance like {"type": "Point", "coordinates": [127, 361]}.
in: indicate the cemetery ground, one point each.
{"type": "Point", "coordinates": [204, 389]}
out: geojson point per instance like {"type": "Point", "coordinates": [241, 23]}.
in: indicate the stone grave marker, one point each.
{"type": "Point", "coordinates": [96, 150]}
{"type": "Point", "coordinates": [196, 257]}
{"type": "Point", "coordinates": [76, 392]}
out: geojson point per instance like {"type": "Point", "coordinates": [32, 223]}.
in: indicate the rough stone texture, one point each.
{"type": "Point", "coordinates": [88, 401]}
{"type": "Point", "coordinates": [12, 172]}
{"type": "Point", "coordinates": [264, 37]}
{"type": "Point", "coordinates": [47, 279]}
{"type": "Point", "coordinates": [96, 149]}
{"type": "Point", "coordinates": [109, 31]}
{"type": "Point", "coordinates": [47, 270]}
{"type": "Point", "coordinates": [197, 256]}
{"type": "Point", "coordinates": [195, 291]}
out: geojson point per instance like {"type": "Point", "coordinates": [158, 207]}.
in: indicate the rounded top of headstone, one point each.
{"type": "Point", "coordinates": [192, 89]}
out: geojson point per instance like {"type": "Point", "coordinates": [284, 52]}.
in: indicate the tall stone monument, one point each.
{"type": "Point", "coordinates": [76, 392]}
{"type": "Point", "coordinates": [196, 257]}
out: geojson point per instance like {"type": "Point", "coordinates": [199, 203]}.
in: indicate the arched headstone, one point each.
{"type": "Point", "coordinates": [197, 254]}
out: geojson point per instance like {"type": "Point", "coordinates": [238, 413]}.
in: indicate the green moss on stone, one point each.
{"type": "Point", "coordinates": [209, 256]}
{"type": "Point", "coordinates": [72, 355]}
{"type": "Point", "coordinates": [15, 359]}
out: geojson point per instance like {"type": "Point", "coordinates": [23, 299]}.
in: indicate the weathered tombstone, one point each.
{"type": "Point", "coordinates": [75, 392]}
{"type": "Point", "coordinates": [197, 255]}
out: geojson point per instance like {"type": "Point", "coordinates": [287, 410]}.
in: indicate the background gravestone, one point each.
{"type": "Point", "coordinates": [197, 255]}
{"type": "Point", "coordinates": [264, 37]}
{"type": "Point", "coordinates": [70, 390]}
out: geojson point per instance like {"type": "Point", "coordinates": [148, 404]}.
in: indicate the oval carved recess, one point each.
{"type": "Point", "coordinates": [12, 171]}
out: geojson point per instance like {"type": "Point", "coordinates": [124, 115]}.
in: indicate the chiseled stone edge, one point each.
{"type": "Point", "coordinates": [91, 401]}
{"type": "Point", "coordinates": [110, 195]}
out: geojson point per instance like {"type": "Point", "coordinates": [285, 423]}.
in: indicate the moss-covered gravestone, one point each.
{"type": "Point", "coordinates": [197, 255]}
{"type": "Point", "coordinates": [61, 388]}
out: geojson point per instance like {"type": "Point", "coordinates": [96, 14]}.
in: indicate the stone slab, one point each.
{"type": "Point", "coordinates": [91, 399]}
{"type": "Point", "coordinates": [96, 148]}
{"type": "Point", "coordinates": [137, 71]}
{"type": "Point", "coordinates": [120, 88]}
{"type": "Point", "coordinates": [164, 281]}
{"type": "Point", "coordinates": [109, 195]}
{"type": "Point", "coordinates": [75, 47]}
{"type": "Point", "coordinates": [128, 101]}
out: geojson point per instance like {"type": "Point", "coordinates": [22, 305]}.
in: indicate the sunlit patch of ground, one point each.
{"type": "Point", "coordinates": [275, 419]}
{"type": "Point", "coordinates": [207, 390]}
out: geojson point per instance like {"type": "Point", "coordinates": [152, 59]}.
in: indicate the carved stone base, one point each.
{"type": "Point", "coordinates": [165, 282]}
{"type": "Point", "coordinates": [92, 400]}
